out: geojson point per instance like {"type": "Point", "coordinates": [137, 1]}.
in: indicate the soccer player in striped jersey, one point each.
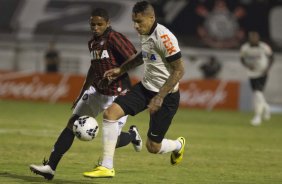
{"type": "Point", "coordinates": [158, 91]}
{"type": "Point", "coordinates": [257, 58]}
{"type": "Point", "coordinates": [109, 49]}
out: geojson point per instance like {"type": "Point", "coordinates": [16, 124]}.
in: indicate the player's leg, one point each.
{"type": "Point", "coordinates": [124, 138]}
{"type": "Point", "coordinates": [266, 109]}
{"type": "Point", "coordinates": [258, 104]}
{"type": "Point", "coordinates": [261, 108]}
{"type": "Point", "coordinates": [132, 136]}
{"type": "Point", "coordinates": [258, 108]}
{"type": "Point", "coordinates": [109, 140]}
{"type": "Point", "coordinates": [63, 143]}
{"type": "Point", "coordinates": [159, 124]}
{"type": "Point", "coordinates": [131, 103]}
{"type": "Point", "coordinates": [65, 139]}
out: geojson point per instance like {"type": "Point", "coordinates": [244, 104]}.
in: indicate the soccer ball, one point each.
{"type": "Point", "coordinates": [85, 128]}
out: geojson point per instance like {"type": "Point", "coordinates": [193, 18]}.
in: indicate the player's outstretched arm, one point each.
{"type": "Point", "coordinates": [132, 62]}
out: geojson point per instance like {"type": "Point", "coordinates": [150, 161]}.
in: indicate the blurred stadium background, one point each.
{"type": "Point", "coordinates": [204, 29]}
{"type": "Point", "coordinates": [223, 147]}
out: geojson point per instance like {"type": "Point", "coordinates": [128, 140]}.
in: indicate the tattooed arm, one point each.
{"type": "Point", "coordinates": [132, 62]}
{"type": "Point", "coordinates": [176, 74]}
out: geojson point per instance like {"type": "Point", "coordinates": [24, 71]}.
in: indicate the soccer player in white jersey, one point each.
{"type": "Point", "coordinates": [257, 58]}
{"type": "Point", "coordinates": [158, 91]}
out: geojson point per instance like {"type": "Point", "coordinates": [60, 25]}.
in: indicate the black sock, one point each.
{"type": "Point", "coordinates": [125, 138]}
{"type": "Point", "coordinates": [62, 145]}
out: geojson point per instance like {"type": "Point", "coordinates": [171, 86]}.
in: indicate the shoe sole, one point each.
{"type": "Point", "coordinates": [98, 176]}
{"type": "Point", "coordinates": [47, 176]}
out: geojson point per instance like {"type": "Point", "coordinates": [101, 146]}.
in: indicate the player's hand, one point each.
{"type": "Point", "coordinates": [104, 83]}
{"type": "Point", "coordinates": [155, 104]}
{"type": "Point", "coordinates": [112, 74]}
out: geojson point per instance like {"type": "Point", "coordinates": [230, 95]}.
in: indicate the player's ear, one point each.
{"type": "Point", "coordinates": [108, 23]}
{"type": "Point", "coordinates": [153, 18]}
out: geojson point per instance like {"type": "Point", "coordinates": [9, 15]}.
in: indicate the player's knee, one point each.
{"type": "Point", "coordinates": [107, 113]}
{"type": "Point", "coordinates": [114, 112]}
{"type": "Point", "coordinates": [72, 120]}
{"type": "Point", "coordinates": [153, 147]}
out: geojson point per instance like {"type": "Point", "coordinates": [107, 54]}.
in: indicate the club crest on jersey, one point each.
{"type": "Point", "coordinates": [149, 56]}
{"type": "Point", "coordinates": [98, 54]}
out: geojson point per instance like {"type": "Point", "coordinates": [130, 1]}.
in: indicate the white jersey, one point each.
{"type": "Point", "coordinates": [158, 49]}
{"type": "Point", "coordinates": [257, 57]}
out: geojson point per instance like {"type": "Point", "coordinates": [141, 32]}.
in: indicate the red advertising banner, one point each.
{"type": "Point", "coordinates": [204, 94]}
{"type": "Point", "coordinates": [40, 87]}
{"type": "Point", "coordinates": [210, 94]}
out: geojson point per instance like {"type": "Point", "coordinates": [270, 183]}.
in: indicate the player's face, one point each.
{"type": "Point", "coordinates": [98, 25]}
{"type": "Point", "coordinates": [253, 38]}
{"type": "Point", "coordinates": [142, 23]}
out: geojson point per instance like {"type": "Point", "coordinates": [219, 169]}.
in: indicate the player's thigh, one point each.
{"type": "Point", "coordinates": [90, 104]}
{"type": "Point", "coordinates": [160, 121]}
{"type": "Point", "coordinates": [258, 84]}
{"type": "Point", "coordinates": [107, 101]}
{"type": "Point", "coordinates": [134, 101]}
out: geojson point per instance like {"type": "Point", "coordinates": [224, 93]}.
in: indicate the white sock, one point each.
{"type": "Point", "coordinates": [266, 112]}
{"type": "Point", "coordinates": [266, 108]}
{"type": "Point", "coordinates": [169, 146]}
{"type": "Point", "coordinates": [258, 103]}
{"type": "Point", "coordinates": [110, 135]}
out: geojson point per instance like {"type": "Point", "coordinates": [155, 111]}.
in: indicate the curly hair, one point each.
{"type": "Point", "coordinates": [100, 12]}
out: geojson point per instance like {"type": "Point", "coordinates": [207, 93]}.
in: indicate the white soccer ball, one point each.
{"type": "Point", "coordinates": [85, 128]}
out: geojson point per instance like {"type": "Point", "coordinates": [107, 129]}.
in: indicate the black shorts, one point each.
{"type": "Point", "coordinates": [258, 84]}
{"type": "Point", "coordinates": [137, 99]}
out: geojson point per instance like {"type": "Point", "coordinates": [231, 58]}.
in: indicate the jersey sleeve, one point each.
{"type": "Point", "coordinates": [242, 50]}
{"type": "Point", "coordinates": [169, 46]}
{"type": "Point", "coordinates": [122, 45]}
{"type": "Point", "coordinates": [267, 49]}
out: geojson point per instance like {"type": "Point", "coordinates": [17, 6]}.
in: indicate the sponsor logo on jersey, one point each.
{"type": "Point", "coordinates": [149, 56]}
{"type": "Point", "coordinates": [168, 44]}
{"type": "Point", "coordinates": [98, 54]}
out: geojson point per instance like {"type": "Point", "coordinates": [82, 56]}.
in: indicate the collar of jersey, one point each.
{"type": "Point", "coordinates": [153, 28]}
{"type": "Point", "coordinates": [104, 34]}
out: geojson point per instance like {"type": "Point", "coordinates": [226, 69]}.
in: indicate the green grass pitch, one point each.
{"type": "Point", "coordinates": [222, 147]}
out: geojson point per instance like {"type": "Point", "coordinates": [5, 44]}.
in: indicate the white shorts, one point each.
{"type": "Point", "coordinates": [92, 103]}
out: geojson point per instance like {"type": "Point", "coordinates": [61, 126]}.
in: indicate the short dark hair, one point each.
{"type": "Point", "coordinates": [100, 12]}
{"type": "Point", "coordinates": [140, 6]}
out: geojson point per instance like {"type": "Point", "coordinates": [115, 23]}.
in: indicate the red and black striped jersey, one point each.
{"type": "Point", "coordinates": [109, 51]}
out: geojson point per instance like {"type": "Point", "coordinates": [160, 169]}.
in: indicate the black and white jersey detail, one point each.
{"type": "Point", "coordinates": [158, 49]}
